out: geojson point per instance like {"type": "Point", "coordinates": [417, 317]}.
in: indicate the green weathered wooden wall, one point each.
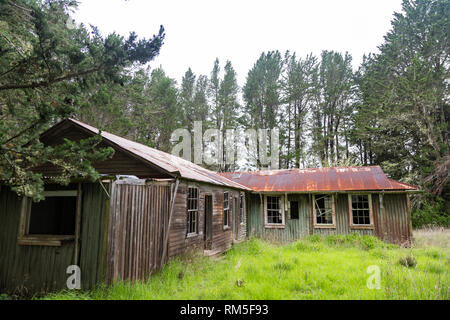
{"type": "Point", "coordinates": [93, 241]}
{"type": "Point", "coordinates": [391, 225]}
{"type": "Point", "coordinates": [26, 269]}
{"type": "Point", "coordinates": [342, 218]}
{"type": "Point", "coordinates": [294, 228]}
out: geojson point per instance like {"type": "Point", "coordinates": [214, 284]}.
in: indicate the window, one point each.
{"type": "Point", "coordinates": [226, 209]}
{"type": "Point", "coordinates": [324, 215]}
{"type": "Point", "coordinates": [242, 208]}
{"type": "Point", "coordinates": [52, 219]}
{"type": "Point", "coordinates": [294, 209]}
{"type": "Point", "coordinates": [274, 211]}
{"type": "Point", "coordinates": [360, 208]}
{"type": "Point", "coordinates": [192, 210]}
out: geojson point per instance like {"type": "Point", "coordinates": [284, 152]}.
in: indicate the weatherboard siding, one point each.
{"type": "Point", "coordinates": [222, 239]}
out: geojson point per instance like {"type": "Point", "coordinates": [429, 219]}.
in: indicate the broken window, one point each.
{"type": "Point", "coordinates": [274, 213]}
{"type": "Point", "coordinates": [360, 209]}
{"type": "Point", "coordinates": [226, 209]}
{"type": "Point", "coordinates": [323, 209]}
{"type": "Point", "coordinates": [56, 214]}
{"type": "Point", "coordinates": [192, 210]}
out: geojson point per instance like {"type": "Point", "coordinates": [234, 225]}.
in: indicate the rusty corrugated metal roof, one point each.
{"type": "Point", "coordinates": [166, 161]}
{"type": "Point", "coordinates": [317, 179]}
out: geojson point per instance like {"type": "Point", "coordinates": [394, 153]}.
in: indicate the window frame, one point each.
{"type": "Point", "coordinates": [25, 238]}
{"type": "Point", "coordinates": [188, 211]}
{"type": "Point", "coordinates": [283, 214]}
{"type": "Point", "coordinates": [242, 208]}
{"type": "Point", "coordinates": [333, 215]}
{"type": "Point", "coordinates": [226, 225]}
{"type": "Point", "coordinates": [350, 212]}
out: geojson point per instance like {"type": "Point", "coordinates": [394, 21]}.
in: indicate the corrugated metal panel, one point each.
{"type": "Point", "coordinates": [31, 269]}
{"type": "Point", "coordinates": [317, 180]}
{"type": "Point", "coordinates": [396, 226]}
{"type": "Point", "coordinates": [28, 269]}
{"type": "Point", "coordinates": [294, 228]}
{"type": "Point", "coordinates": [342, 219]}
{"type": "Point", "coordinates": [94, 221]}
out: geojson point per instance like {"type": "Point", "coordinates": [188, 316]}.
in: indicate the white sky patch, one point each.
{"type": "Point", "coordinates": [199, 31]}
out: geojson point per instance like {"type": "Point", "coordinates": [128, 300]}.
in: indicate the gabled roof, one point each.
{"type": "Point", "coordinates": [169, 163]}
{"type": "Point", "coordinates": [318, 179]}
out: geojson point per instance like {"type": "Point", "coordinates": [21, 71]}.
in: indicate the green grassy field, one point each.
{"type": "Point", "coordinates": [314, 268]}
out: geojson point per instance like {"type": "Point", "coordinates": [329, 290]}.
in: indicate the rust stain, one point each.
{"type": "Point", "coordinates": [318, 179]}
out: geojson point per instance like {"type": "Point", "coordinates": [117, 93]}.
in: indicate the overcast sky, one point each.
{"type": "Point", "coordinates": [199, 31]}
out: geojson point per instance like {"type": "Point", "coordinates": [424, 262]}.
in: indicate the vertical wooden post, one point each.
{"type": "Point", "coordinates": [311, 214]}
{"type": "Point", "coordinates": [106, 224]}
{"type": "Point", "coordinates": [408, 206]}
{"type": "Point", "coordinates": [166, 236]}
{"type": "Point", "coordinates": [77, 226]}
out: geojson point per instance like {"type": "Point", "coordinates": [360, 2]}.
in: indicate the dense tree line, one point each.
{"type": "Point", "coordinates": [392, 111]}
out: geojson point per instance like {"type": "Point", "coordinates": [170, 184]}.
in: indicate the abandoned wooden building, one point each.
{"type": "Point", "coordinates": [115, 228]}
{"type": "Point", "coordinates": [287, 204]}
{"type": "Point", "coordinates": [150, 206]}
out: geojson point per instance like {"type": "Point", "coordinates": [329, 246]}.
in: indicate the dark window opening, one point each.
{"type": "Point", "coordinates": [323, 205]}
{"type": "Point", "coordinates": [192, 210]}
{"type": "Point", "coordinates": [294, 209]}
{"type": "Point", "coordinates": [55, 215]}
{"type": "Point", "coordinates": [274, 214]}
{"type": "Point", "coordinates": [360, 209]}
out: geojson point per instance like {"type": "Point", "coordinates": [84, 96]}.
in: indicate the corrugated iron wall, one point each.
{"type": "Point", "coordinates": [391, 224]}
{"type": "Point", "coordinates": [94, 224]}
{"type": "Point", "coordinates": [138, 222]}
{"type": "Point", "coordinates": [342, 218]}
{"type": "Point", "coordinates": [28, 269]}
{"type": "Point", "coordinates": [33, 269]}
{"type": "Point", "coordinates": [294, 229]}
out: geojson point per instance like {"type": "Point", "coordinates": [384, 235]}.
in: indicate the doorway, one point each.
{"type": "Point", "coordinates": [208, 222]}
{"type": "Point", "coordinates": [236, 218]}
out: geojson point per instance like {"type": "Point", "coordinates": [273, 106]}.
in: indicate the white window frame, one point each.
{"type": "Point", "coordinates": [350, 212]}
{"type": "Point", "coordinates": [333, 216]}
{"type": "Point", "coordinates": [193, 210]}
{"type": "Point", "coordinates": [282, 208]}
{"type": "Point", "coordinates": [227, 225]}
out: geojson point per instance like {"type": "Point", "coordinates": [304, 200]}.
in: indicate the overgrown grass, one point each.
{"type": "Point", "coordinates": [432, 237]}
{"type": "Point", "coordinates": [334, 267]}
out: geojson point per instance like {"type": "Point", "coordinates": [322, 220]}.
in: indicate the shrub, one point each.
{"type": "Point", "coordinates": [431, 215]}
{"type": "Point", "coordinates": [314, 238]}
{"type": "Point", "coordinates": [408, 261]}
